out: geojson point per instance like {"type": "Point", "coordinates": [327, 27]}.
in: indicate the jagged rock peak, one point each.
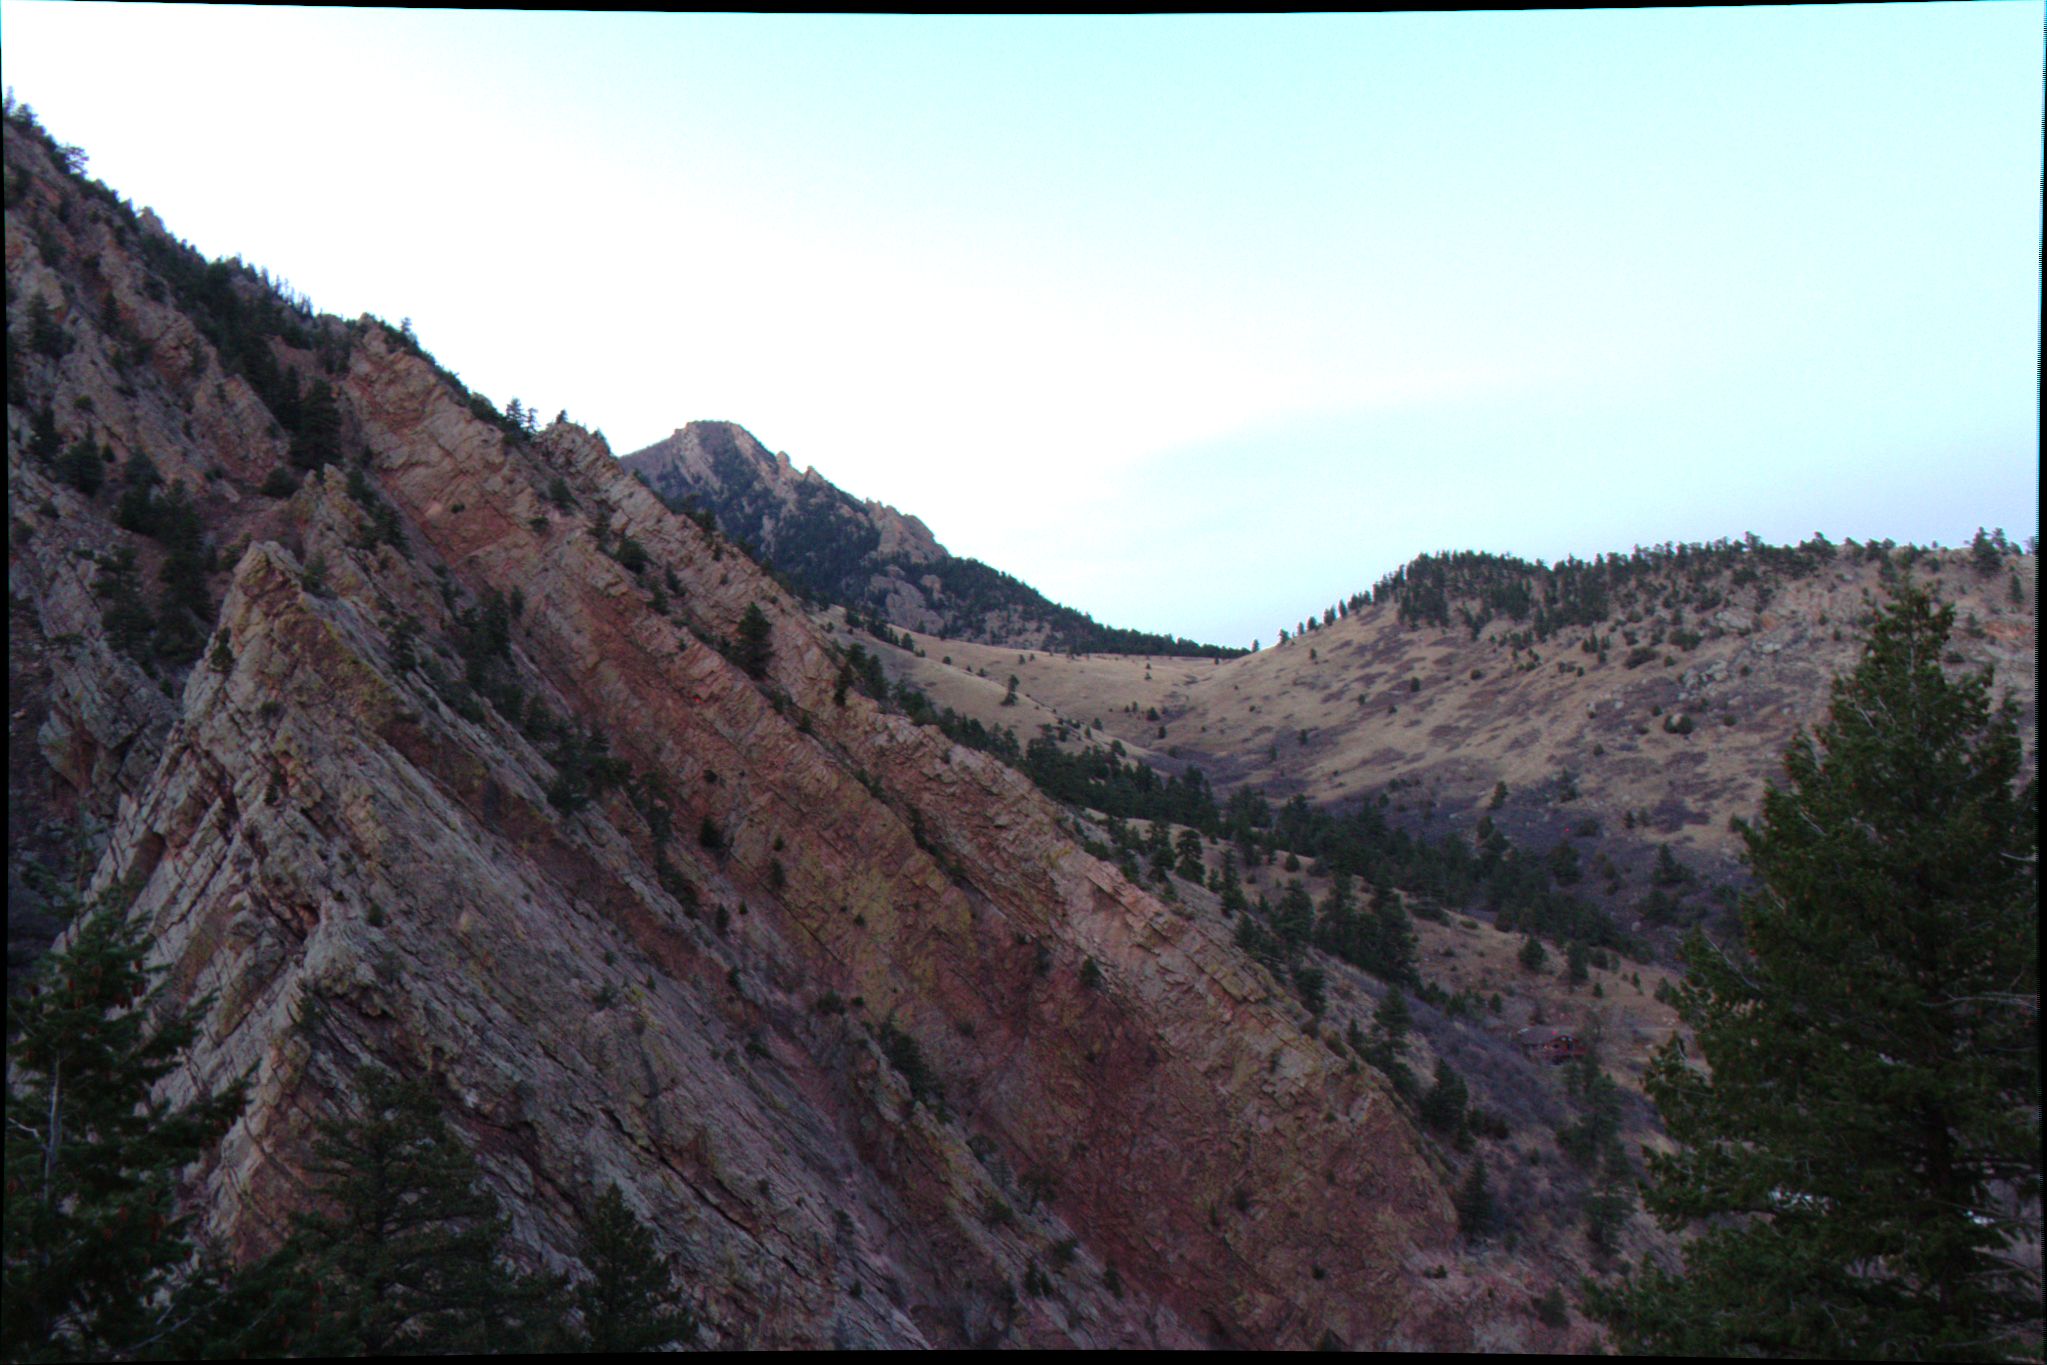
{"type": "Point", "coordinates": [712, 458]}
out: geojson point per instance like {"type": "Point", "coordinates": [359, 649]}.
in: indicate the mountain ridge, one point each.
{"type": "Point", "coordinates": [430, 739]}
{"type": "Point", "coordinates": [865, 554]}
{"type": "Point", "coordinates": [470, 772]}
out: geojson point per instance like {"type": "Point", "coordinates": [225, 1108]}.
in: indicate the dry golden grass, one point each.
{"type": "Point", "coordinates": [1331, 714]}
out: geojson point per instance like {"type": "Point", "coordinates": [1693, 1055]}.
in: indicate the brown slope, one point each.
{"type": "Point", "coordinates": [366, 873]}
{"type": "Point", "coordinates": [1763, 670]}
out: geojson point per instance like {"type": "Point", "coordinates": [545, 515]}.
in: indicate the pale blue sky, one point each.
{"type": "Point", "coordinates": [1194, 323]}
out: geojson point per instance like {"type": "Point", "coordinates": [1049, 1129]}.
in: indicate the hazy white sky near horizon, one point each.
{"type": "Point", "coordinates": [1194, 323]}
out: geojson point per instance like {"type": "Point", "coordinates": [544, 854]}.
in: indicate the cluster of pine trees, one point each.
{"type": "Point", "coordinates": [402, 1251]}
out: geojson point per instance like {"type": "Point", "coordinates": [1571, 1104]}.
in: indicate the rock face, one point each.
{"type": "Point", "coordinates": [864, 554]}
{"type": "Point", "coordinates": [807, 981]}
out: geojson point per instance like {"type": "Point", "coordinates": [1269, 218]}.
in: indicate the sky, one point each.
{"type": "Point", "coordinates": [1194, 323]}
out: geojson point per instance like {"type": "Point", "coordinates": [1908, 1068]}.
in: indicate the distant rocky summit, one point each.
{"type": "Point", "coordinates": [865, 554]}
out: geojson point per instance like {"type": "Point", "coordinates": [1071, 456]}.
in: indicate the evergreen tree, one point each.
{"type": "Point", "coordinates": [1606, 1212]}
{"type": "Point", "coordinates": [1577, 964]}
{"type": "Point", "coordinates": [1391, 1022]}
{"type": "Point", "coordinates": [1668, 870]}
{"type": "Point", "coordinates": [1294, 919]}
{"type": "Point", "coordinates": [410, 1257]}
{"type": "Point", "coordinates": [1394, 954]}
{"type": "Point", "coordinates": [98, 1263]}
{"type": "Point", "coordinates": [1443, 1107]}
{"type": "Point", "coordinates": [626, 1301]}
{"type": "Point", "coordinates": [1477, 1211]}
{"type": "Point", "coordinates": [1865, 1149]}
{"type": "Point", "coordinates": [317, 442]}
{"type": "Point", "coordinates": [756, 642]}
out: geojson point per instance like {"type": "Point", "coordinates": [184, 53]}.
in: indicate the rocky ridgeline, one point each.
{"type": "Point", "coordinates": [859, 1028]}
{"type": "Point", "coordinates": [864, 554]}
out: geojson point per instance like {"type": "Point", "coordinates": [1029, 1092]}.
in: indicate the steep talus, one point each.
{"type": "Point", "coordinates": [809, 982]}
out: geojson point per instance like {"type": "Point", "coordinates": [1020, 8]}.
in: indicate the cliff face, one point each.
{"type": "Point", "coordinates": [353, 818]}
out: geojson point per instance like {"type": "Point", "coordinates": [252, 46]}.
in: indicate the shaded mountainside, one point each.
{"type": "Point", "coordinates": [867, 555]}
{"type": "Point", "coordinates": [432, 741]}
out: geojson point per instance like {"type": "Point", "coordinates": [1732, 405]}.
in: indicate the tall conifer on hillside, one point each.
{"type": "Point", "coordinates": [1863, 1149]}
{"type": "Point", "coordinates": [98, 1263]}
{"type": "Point", "coordinates": [629, 1301]}
{"type": "Point", "coordinates": [410, 1255]}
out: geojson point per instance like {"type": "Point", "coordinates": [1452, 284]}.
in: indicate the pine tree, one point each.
{"type": "Point", "coordinates": [626, 1303]}
{"type": "Point", "coordinates": [317, 442]}
{"type": "Point", "coordinates": [1443, 1107]}
{"type": "Point", "coordinates": [1386, 1045]}
{"type": "Point", "coordinates": [756, 642]}
{"type": "Point", "coordinates": [1865, 1149]}
{"type": "Point", "coordinates": [411, 1256]}
{"type": "Point", "coordinates": [1477, 1211]}
{"type": "Point", "coordinates": [1294, 918]}
{"type": "Point", "coordinates": [1613, 1199]}
{"type": "Point", "coordinates": [1577, 964]}
{"type": "Point", "coordinates": [98, 1263]}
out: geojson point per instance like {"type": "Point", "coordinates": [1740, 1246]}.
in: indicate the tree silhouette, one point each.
{"type": "Point", "coordinates": [408, 1256]}
{"type": "Point", "coordinates": [756, 645]}
{"type": "Point", "coordinates": [626, 1302]}
{"type": "Point", "coordinates": [1865, 1150]}
{"type": "Point", "coordinates": [98, 1263]}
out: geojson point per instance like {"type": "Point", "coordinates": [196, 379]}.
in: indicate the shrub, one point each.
{"type": "Point", "coordinates": [1443, 1107]}
{"type": "Point", "coordinates": [908, 1059]}
{"type": "Point", "coordinates": [755, 646]}
{"type": "Point", "coordinates": [82, 467]}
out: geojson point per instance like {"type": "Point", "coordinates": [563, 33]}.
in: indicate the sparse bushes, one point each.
{"type": "Point", "coordinates": [584, 769]}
